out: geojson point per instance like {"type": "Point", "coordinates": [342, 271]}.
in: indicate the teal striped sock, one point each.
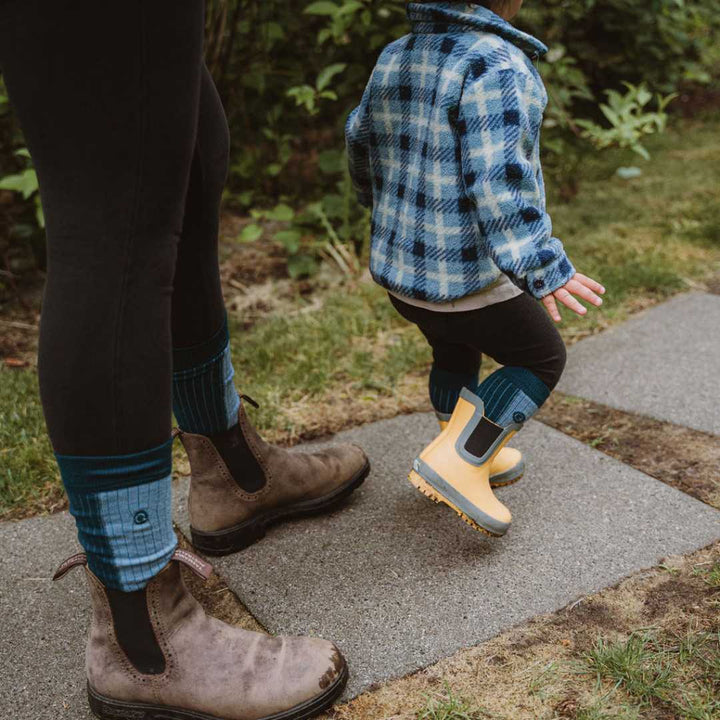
{"type": "Point", "coordinates": [205, 400]}
{"type": "Point", "coordinates": [445, 388]}
{"type": "Point", "coordinates": [512, 395]}
{"type": "Point", "coordinates": [123, 512]}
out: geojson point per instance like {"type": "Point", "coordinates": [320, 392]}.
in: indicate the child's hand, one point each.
{"type": "Point", "coordinates": [580, 285]}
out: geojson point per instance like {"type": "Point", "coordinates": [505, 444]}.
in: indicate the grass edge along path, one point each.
{"type": "Point", "coordinates": [354, 360]}
{"type": "Point", "coordinates": [648, 647]}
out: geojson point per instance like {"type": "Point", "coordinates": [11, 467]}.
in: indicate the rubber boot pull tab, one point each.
{"type": "Point", "coordinates": [72, 562]}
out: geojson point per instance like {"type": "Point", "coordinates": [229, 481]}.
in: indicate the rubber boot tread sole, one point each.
{"type": "Point", "coordinates": [507, 483]}
{"type": "Point", "coordinates": [426, 489]}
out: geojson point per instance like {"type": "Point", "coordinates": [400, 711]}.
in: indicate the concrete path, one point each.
{"type": "Point", "coordinates": [663, 363]}
{"type": "Point", "coordinates": [44, 624]}
{"type": "Point", "coordinates": [399, 582]}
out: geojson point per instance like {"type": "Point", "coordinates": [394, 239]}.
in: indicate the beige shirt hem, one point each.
{"type": "Point", "coordinates": [502, 290]}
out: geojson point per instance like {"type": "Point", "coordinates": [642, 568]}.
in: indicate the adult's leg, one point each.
{"type": "Point", "coordinates": [215, 430]}
{"type": "Point", "coordinates": [198, 310]}
{"type": "Point", "coordinates": [107, 95]}
{"type": "Point", "coordinates": [204, 397]}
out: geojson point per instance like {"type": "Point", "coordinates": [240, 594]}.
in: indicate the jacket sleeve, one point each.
{"type": "Point", "coordinates": [357, 138]}
{"type": "Point", "coordinates": [499, 119]}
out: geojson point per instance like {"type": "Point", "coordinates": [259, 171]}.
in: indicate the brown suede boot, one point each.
{"type": "Point", "coordinates": [155, 655]}
{"type": "Point", "coordinates": [231, 510]}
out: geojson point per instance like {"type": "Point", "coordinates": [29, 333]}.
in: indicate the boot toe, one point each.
{"type": "Point", "coordinates": [318, 667]}
{"type": "Point", "coordinates": [332, 663]}
{"type": "Point", "coordinates": [351, 459]}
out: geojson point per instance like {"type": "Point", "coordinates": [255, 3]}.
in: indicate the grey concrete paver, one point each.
{"type": "Point", "coordinates": [399, 582]}
{"type": "Point", "coordinates": [44, 624]}
{"type": "Point", "coordinates": [662, 363]}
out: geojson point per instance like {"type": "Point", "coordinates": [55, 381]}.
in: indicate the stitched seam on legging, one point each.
{"type": "Point", "coordinates": [130, 242]}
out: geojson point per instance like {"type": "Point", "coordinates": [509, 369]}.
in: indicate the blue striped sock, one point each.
{"type": "Point", "coordinates": [512, 395]}
{"type": "Point", "coordinates": [205, 400]}
{"type": "Point", "coordinates": [445, 388]}
{"type": "Point", "coordinates": [123, 512]}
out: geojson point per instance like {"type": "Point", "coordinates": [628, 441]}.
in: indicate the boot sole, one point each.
{"type": "Point", "coordinates": [509, 477]}
{"type": "Point", "coordinates": [108, 709]}
{"type": "Point", "coordinates": [507, 483]}
{"type": "Point", "coordinates": [428, 490]}
{"type": "Point", "coordinates": [239, 537]}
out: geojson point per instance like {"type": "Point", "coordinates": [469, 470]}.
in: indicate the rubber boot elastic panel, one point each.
{"type": "Point", "coordinates": [231, 508]}
{"type": "Point", "coordinates": [154, 654]}
{"type": "Point", "coordinates": [455, 468]}
{"type": "Point", "coordinates": [507, 467]}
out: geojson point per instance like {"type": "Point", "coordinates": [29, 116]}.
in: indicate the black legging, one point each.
{"type": "Point", "coordinates": [130, 142]}
{"type": "Point", "coordinates": [517, 332]}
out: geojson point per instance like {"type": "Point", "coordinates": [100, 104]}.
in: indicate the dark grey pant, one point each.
{"type": "Point", "coordinates": [130, 142]}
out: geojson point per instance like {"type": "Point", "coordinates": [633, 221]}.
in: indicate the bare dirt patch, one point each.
{"type": "Point", "coordinates": [19, 326]}
{"type": "Point", "coordinates": [686, 459]}
{"type": "Point", "coordinates": [253, 263]}
{"type": "Point", "coordinates": [713, 285]}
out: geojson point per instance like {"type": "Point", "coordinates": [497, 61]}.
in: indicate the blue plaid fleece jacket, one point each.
{"type": "Point", "coordinates": [445, 149]}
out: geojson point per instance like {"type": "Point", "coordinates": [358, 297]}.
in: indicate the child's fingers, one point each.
{"type": "Point", "coordinates": [551, 306]}
{"type": "Point", "coordinates": [577, 288]}
{"type": "Point", "coordinates": [589, 283]}
{"type": "Point", "coordinates": [569, 301]}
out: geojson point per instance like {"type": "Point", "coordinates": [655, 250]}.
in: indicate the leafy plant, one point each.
{"type": "Point", "coordinates": [341, 18]}
{"type": "Point", "coordinates": [309, 97]}
{"type": "Point", "coordinates": [629, 119]}
{"type": "Point", "coordinates": [26, 184]}
{"type": "Point", "coordinates": [289, 73]}
{"type": "Point", "coordinates": [333, 228]}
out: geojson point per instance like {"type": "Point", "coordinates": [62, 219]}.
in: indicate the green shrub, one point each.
{"type": "Point", "coordinates": [289, 72]}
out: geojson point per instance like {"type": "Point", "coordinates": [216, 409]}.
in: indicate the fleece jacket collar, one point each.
{"type": "Point", "coordinates": [436, 17]}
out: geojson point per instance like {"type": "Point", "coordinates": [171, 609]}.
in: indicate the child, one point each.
{"type": "Point", "coordinates": [444, 148]}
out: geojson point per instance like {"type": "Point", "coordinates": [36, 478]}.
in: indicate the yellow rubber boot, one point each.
{"type": "Point", "coordinates": [507, 467]}
{"type": "Point", "coordinates": [455, 467]}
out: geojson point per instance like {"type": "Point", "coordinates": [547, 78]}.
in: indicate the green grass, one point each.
{"type": "Point", "coordinates": [449, 707]}
{"type": "Point", "coordinates": [644, 239]}
{"type": "Point", "coordinates": [28, 476]}
{"type": "Point", "coordinates": [644, 672]}
{"type": "Point", "coordinates": [660, 671]}
{"type": "Point", "coordinates": [598, 711]}
{"type": "Point", "coordinates": [339, 348]}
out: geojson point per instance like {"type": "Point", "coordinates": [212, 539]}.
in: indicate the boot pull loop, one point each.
{"type": "Point", "coordinates": [72, 562]}
{"type": "Point", "coordinates": [176, 432]}
{"type": "Point", "coordinates": [201, 568]}
{"type": "Point", "coordinates": [250, 400]}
